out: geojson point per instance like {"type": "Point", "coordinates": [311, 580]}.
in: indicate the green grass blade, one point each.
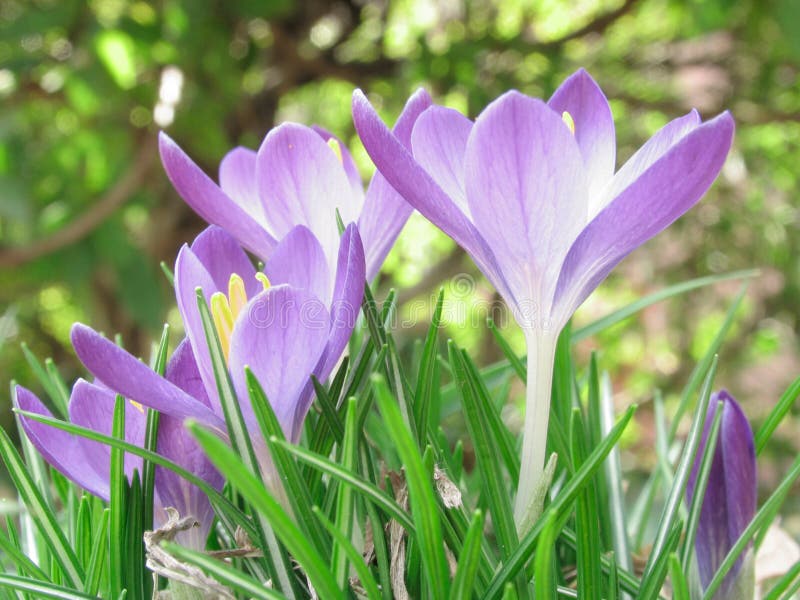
{"type": "Point", "coordinates": [587, 520]}
{"type": "Point", "coordinates": [670, 513]}
{"type": "Point", "coordinates": [680, 587]}
{"type": "Point", "coordinates": [345, 499]}
{"type": "Point", "coordinates": [664, 294]}
{"type": "Point", "coordinates": [354, 556]}
{"type": "Point", "coordinates": [420, 493]}
{"type": "Point", "coordinates": [544, 579]}
{"type": "Point", "coordinates": [53, 392]}
{"type": "Point", "coordinates": [563, 500]}
{"type": "Point", "coordinates": [468, 560]}
{"type": "Point", "coordinates": [516, 364]}
{"type": "Point", "coordinates": [253, 490]}
{"type": "Point", "coordinates": [118, 503]}
{"type": "Point", "coordinates": [777, 415]}
{"type": "Point", "coordinates": [654, 580]}
{"type": "Point", "coordinates": [97, 559]}
{"type": "Point", "coordinates": [24, 564]}
{"type": "Point", "coordinates": [784, 583]}
{"type": "Point", "coordinates": [223, 572]}
{"type": "Point", "coordinates": [423, 395]}
{"type": "Point", "coordinates": [700, 486]}
{"type": "Point", "coordinates": [41, 515]}
{"type": "Point", "coordinates": [42, 589]}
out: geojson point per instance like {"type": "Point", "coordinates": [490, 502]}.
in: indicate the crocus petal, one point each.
{"type": "Point", "coordinates": [176, 444]}
{"type": "Point", "coordinates": [439, 142]}
{"type": "Point", "coordinates": [182, 370]}
{"type": "Point", "coordinates": [92, 407]}
{"type": "Point", "coordinates": [729, 503]}
{"type": "Point", "coordinates": [66, 452]}
{"type": "Point", "coordinates": [350, 168]}
{"type": "Point", "coordinates": [586, 104]}
{"type": "Point", "coordinates": [412, 182]}
{"type": "Point", "coordinates": [666, 190]}
{"type": "Point", "coordinates": [191, 274]}
{"type": "Point", "coordinates": [222, 257]}
{"type": "Point", "coordinates": [209, 201]}
{"type": "Point", "coordinates": [280, 335]}
{"type": "Point", "coordinates": [133, 379]}
{"type": "Point", "coordinates": [385, 211]}
{"type": "Point", "coordinates": [237, 178]}
{"type": "Point", "coordinates": [300, 262]}
{"type": "Point", "coordinates": [526, 190]}
{"type": "Point", "coordinates": [664, 139]}
{"type": "Point", "coordinates": [302, 182]}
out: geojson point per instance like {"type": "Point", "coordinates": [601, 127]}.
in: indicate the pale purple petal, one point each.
{"type": "Point", "coordinates": [666, 190]}
{"type": "Point", "coordinates": [66, 452]}
{"type": "Point", "coordinates": [209, 201]}
{"type": "Point", "coordinates": [182, 370]}
{"type": "Point", "coordinates": [191, 274]}
{"type": "Point", "coordinates": [92, 407]}
{"type": "Point", "coordinates": [385, 211]}
{"type": "Point", "coordinates": [413, 183]}
{"type": "Point", "coordinates": [176, 444]}
{"type": "Point", "coordinates": [730, 499]}
{"type": "Point", "coordinates": [664, 139]}
{"type": "Point", "coordinates": [302, 182]}
{"type": "Point", "coordinates": [133, 379]}
{"type": "Point", "coordinates": [583, 99]}
{"type": "Point", "coordinates": [222, 257]}
{"type": "Point", "coordinates": [526, 189]}
{"type": "Point", "coordinates": [350, 168]}
{"type": "Point", "coordinates": [439, 142]}
{"type": "Point", "coordinates": [237, 178]}
{"type": "Point", "coordinates": [280, 335]}
{"type": "Point", "coordinates": [300, 262]}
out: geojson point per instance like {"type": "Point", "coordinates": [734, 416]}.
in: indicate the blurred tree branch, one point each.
{"type": "Point", "coordinates": [98, 212]}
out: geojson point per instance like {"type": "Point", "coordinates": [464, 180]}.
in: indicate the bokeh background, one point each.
{"type": "Point", "coordinates": [87, 214]}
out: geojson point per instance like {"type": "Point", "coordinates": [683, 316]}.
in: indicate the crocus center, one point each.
{"type": "Point", "coordinates": [226, 308]}
{"type": "Point", "coordinates": [333, 144]}
{"type": "Point", "coordinates": [568, 121]}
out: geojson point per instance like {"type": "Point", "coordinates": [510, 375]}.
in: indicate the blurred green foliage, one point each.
{"type": "Point", "coordinates": [86, 212]}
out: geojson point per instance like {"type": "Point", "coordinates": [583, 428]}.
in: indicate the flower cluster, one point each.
{"type": "Point", "coordinates": [528, 189]}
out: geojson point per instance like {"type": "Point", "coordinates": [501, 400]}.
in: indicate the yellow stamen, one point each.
{"type": "Point", "coordinates": [263, 279]}
{"type": "Point", "coordinates": [237, 295]}
{"type": "Point", "coordinates": [137, 406]}
{"type": "Point", "coordinates": [337, 149]}
{"type": "Point", "coordinates": [567, 118]}
{"type": "Point", "coordinates": [223, 321]}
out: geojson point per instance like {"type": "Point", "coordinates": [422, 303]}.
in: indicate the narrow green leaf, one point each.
{"type": "Point", "coordinates": [680, 587]}
{"type": "Point", "coordinates": [516, 364]}
{"type": "Point", "coordinates": [423, 396]}
{"type": "Point", "coordinates": [345, 500]}
{"type": "Point", "coordinates": [42, 589]}
{"type": "Point", "coordinates": [151, 435]}
{"type": "Point", "coordinates": [24, 564]}
{"type": "Point", "coordinates": [96, 565]}
{"type": "Point", "coordinates": [253, 490]}
{"type": "Point", "coordinates": [41, 515]}
{"type": "Point", "coordinates": [53, 392]}
{"type": "Point", "coordinates": [365, 578]}
{"type": "Point", "coordinates": [653, 581]}
{"type": "Point", "coordinates": [664, 294]}
{"type": "Point", "coordinates": [776, 415]}
{"type": "Point", "coordinates": [420, 493]}
{"type": "Point", "coordinates": [118, 503]}
{"type": "Point", "coordinates": [467, 569]}
{"type": "Point", "coordinates": [544, 580]}
{"type": "Point", "coordinates": [783, 584]}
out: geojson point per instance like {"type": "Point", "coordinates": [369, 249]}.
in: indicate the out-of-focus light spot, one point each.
{"type": "Point", "coordinates": [140, 116]}
{"type": "Point", "coordinates": [8, 83]}
{"type": "Point", "coordinates": [171, 85]}
{"type": "Point", "coordinates": [142, 13]}
{"type": "Point", "coordinates": [164, 114]}
{"type": "Point", "coordinates": [260, 32]}
{"type": "Point", "coordinates": [238, 48]}
{"type": "Point", "coordinates": [325, 32]}
{"type": "Point", "coordinates": [31, 43]}
{"type": "Point", "coordinates": [61, 49]}
{"type": "Point", "coordinates": [52, 81]}
{"type": "Point", "coordinates": [66, 121]}
{"type": "Point", "coordinates": [254, 81]}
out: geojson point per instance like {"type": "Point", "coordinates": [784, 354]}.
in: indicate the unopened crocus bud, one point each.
{"type": "Point", "coordinates": [729, 503]}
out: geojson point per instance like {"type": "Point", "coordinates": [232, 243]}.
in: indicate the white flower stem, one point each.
{"type": "Point", "coordinates": [541, 355]}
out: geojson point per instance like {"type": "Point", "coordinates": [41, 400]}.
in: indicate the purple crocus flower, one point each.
{"type": "Point", "coordinates": [299, 176]}
{"type": "Point", "coordinates": [286, 324]}
{"type": "Point", "coordinates": [729, 503]}
{"type": "Point", "coordinates": [87, 463]}
{"type": "Point", "coordinates": [529, 191]}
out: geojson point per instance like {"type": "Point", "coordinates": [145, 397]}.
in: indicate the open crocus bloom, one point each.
{"type": "Point", "coordinates": [730, 499]}
{"type": "Point", "coordinates": [299, 176]}
{"type": "Point", "coordinates": [529, 191]}
{"type": "Point", "coordinates": [87, 463]}
{"type": "Point", "coordinates": [286, 324]}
